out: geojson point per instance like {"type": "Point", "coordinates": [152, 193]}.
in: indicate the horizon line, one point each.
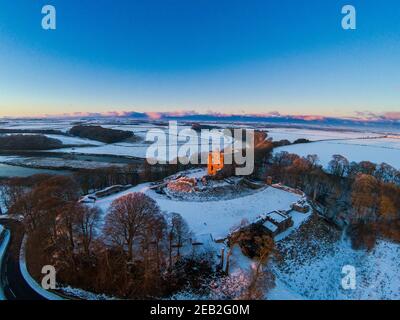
{"type": "Point", "coordinates": [365, 116]}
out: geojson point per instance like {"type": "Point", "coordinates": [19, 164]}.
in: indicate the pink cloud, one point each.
{"type": "Point", "coordinates": [154, 115]}
{"type": "Point", "coordinates": [395, 115]}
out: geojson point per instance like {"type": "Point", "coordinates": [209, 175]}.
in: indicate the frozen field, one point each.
{"type": "Point", "coordinates": [374, 150]}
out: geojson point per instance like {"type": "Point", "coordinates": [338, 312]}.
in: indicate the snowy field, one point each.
{"type": "Point", "coordinates": [7, 170]}
{"type": "Point", "coordinates": [74, 140]}
{"type": "Point", "coordinates": [216, 217]}
{"type": "Point", "coordinates": [50, 124]}
{"type": "Point", "coordinates": [351, 144]}
{"type": "Point", "coordinates": [67, 140]}
{"type": "Point", "coordinates": [139, 149]}
{"type": "Point", "coordinates": [131, 150]}
{"type": "Point", "coordinates": [293, 134]}
{"type": "Point", "coordinates": [136, 149]}
{"type": "Point", "coordinates": [374, 150]}
{"type": "Point", "coordinates": [53, 163]}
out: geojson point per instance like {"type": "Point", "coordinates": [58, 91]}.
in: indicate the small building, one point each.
{"type": "Point", "coordinates": [301, 206]}
{"type": "Point", "coordinates": [280, 219]}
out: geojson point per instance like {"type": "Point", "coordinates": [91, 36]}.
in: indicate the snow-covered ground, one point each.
{"type": "Point", "coordinates": [47, 124]}
{"type": "Point", "coordinates": [53, 163]}
{"type": "Point", "coordinates": [351, 144]}
{"type": "Point", "coordinates": [139, 149]}
{"type": "Point", "coordinates": [313, 257]}
{"type": "Point", "coordinates": [216, 217]}
{"type": "Point", "coordinates": [375, 150]}
{"type": "Point", "coordinates": [293, 134]}
{"type": "Point", "coordinates": [66, 140]}
{"type": "Point", "coordinates": [14, 171]}
{"type": "Point", "coordinates": [128, 150]}
{"type": "Point", "coordinates": [320, 277]}
{"type": "Point", "coordinates": [83, 294]}
{"type": "Point", "coordinates": [74, 140]}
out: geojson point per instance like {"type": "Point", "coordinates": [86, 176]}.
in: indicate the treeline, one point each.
{"type": "Point", "coordinates": [263, 150]}
{"type": "Point", "coordinates": [33, 131]}
{"type": "Point", "coordinates": [364, 197]}
{"type": "Point", "coordinates": [91, 180]}
{"type": "Point", "coordinates": [101, 134]}
{"type": "Point", "coordinates": [28, 142]}
{"type": "Point", "coordinates": [285, 142]}
{"type": "Point", "coordinates": [199, 126]}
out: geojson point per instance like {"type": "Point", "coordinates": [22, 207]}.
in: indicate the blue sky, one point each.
{"type": "Point", "coordinates": [205, 55]}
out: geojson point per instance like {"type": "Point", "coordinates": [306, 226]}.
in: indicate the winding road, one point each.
{"type": "Point", "coordinates": [15, 287]}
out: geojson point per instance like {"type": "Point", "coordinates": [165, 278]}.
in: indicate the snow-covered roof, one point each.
{"type": "Point", "coordinates": [277, 216]}
{"type": "Point", "coordinates": [270, 226]}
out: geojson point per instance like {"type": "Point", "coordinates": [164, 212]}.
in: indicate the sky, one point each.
{"type": "Point", "coordinates": [226, 56]}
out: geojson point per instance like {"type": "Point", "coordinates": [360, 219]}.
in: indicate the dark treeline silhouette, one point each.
{"type": "Point", "coordinates": [34, 131]}
{"type": "Point", "coordinates": [100, 134]}
{"type": "Point", "coordinates": [28, 142]}
{"type": "Point", "coordinates": [199, 126]}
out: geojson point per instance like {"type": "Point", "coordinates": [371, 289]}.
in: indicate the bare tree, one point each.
{"type": "Point", "coordinates": [127, 218]}
{"type": "Point", "coordinates": [261, 280]}
{"type": "Point", "coordinates": [339, 165]}
{"type": "Point", "coordinates": [178, 235]}
{"type": "Point", "coordinates": [365, 198]}
{"type": "Point", "coordinates": [87, 219]}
